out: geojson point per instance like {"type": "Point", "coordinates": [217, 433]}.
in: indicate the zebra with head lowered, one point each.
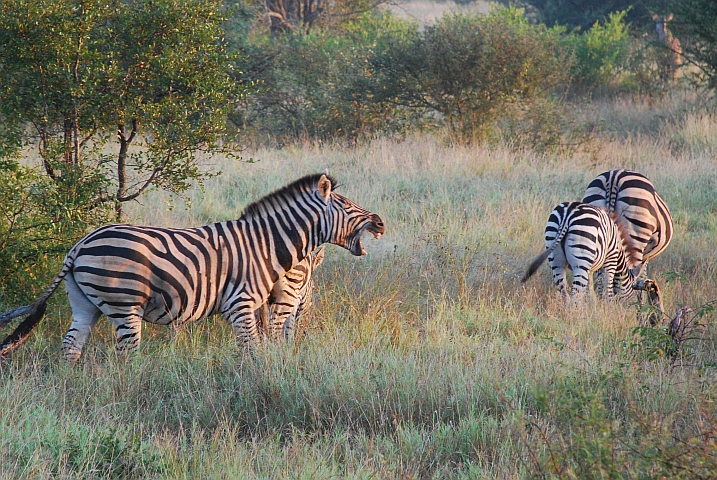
{"type": "Point", "coordinates": [168, 275]}
{"type": "Point", "coordinates": [585, 238]}
{"type": "Point", "coordinates": [638, 208]}
{"type": "Point", "coordinates": [290, 297]}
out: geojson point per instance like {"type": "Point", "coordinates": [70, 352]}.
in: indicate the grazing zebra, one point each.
{"type": "Point", "coordinates": [638, 207]}
{"type": "Point", "coordinates": [169, 275]}
{"type": "Point", "coordinates": [586, 238]}
{"type": "Point", "coordinates": [290, 297]}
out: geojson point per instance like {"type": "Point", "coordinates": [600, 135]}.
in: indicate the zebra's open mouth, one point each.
{"type": "Point", "coordinates": [376, 227]}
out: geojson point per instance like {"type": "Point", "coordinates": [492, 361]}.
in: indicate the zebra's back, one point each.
{"type": "Point", "coordinates": [171, 275]}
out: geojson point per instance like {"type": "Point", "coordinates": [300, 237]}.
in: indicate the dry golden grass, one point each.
{"type": "Point", "coordinates": [425, 359]}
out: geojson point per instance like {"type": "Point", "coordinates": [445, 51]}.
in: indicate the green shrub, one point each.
{"type": "Point", "coordinates": [607, 58]}
{"type": "Point", "coordinates": [378, 75]}
{"type": "Point", "coordinates": [312, 85]}
{"type": "Point", "coordinates": [600, 53]}
{"type": "Point", "coordinates": [466, 69]}
{"type": "Point", "coordinates": [40, 220]}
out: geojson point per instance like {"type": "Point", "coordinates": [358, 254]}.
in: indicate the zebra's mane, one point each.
{"type": "Point", "coordinates": [632, 250]}
{"type": "Point", "coordinates": [296, 188]}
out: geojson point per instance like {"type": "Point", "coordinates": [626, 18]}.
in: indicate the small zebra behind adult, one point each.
{"type": "Point", "coordinates": [167, 275]}
{"type": "Point", "coordinates": [290, 298]}
{"type": "Point", "coordinates": [585, 238]}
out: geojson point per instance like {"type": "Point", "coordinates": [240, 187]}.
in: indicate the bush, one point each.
{"type": "Point", "coordinates": [311, 85]}
{"type": "Point", "coordinates": [379, 74]}
{"type": "Point", "coordinates": [466, 69]}
{"type": "Point", "coordinates": [40, 220]}
{"type": "Point", "coordinates": [600, 54]}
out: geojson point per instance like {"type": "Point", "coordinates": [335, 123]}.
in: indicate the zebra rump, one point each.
{"type": "Point", "coordinates": [586, 238]}
{"type": "Point", "coordinates": [169, 275]}
{"type": "Point", "coordinates": [638, 208]}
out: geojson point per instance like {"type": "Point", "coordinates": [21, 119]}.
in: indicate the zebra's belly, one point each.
{"type": "Point", "coordinates": [155, 311]}
{"type": "Point", "coordinates": [154, 314]}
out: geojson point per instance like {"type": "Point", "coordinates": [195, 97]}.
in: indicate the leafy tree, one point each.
{"type": "Point", "coordinates": [153, 74]}
{"type": "Point", "coordinates": [697, 22]}
{"type": "Point", "coordinates": [117, 98]}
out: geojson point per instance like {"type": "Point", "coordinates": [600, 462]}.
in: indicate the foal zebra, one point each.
{"type": "Point", "coordinates": [638, 207]}
{"type": "Point", "coordinates": [168, 275]}
{"type": "Point", "coordinates": [586, 238]}
{"type": "Point", "coordinates": [290, 297]}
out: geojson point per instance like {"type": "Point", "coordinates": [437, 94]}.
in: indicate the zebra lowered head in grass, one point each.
{"type": "Point", "coordinates": [170, 275]}
{"type": "Point", "coordinates": [585, 239]}
{"type": "Point", "coordinates": [290, 297]}
{"type": "Point", "coordinates": [637, 207]}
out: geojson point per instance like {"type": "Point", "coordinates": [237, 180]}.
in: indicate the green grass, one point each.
{"type": "Point", "coordinates": [425, 359]}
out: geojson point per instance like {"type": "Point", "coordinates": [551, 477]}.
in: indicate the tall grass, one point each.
{"type": "Point", "coordinates": [425, 359]}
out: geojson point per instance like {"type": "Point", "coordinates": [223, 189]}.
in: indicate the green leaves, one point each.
{"type": "Point", "coordinates": [697, 22]}
{"type": "Point", "coordinates": [75, 72]}
{"type": "Point", "coordinates": [119, 97]}
{"type": "Point", "coordinates": [468, 68]}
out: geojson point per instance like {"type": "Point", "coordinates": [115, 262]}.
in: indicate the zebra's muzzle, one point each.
{"type": "Point", "coordinates": [376, 227]}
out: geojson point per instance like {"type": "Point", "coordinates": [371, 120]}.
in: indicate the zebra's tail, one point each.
{"type": "Point", "coordinates": [541, 258]}
{"type": "Point", "coordinates": [35, 311]}
{"type": "Point", "coordinates": [537, 263]}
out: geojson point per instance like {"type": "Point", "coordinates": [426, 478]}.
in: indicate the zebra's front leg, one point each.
{"type": "Point", "coordinates": [280, 314]}
{"type": "Point", "coordinates": [128, 329]}
{"type": "Point", "coordinates": [245, 328]}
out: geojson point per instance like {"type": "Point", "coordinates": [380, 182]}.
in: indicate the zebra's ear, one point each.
{"type": "Point", "coordinates": [325, 187]}
{"type": "Point", "coordinates": [319, 256]}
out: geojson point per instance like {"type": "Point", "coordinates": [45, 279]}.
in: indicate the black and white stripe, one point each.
{"type": "Point", "coordinates": [585, 238]}
{"type": "Point", "coordinates": [165, 275]}
{"type": "Point", "coordinates": [290, 298]}
{"type": "Point", "coordinates": [638, 209]}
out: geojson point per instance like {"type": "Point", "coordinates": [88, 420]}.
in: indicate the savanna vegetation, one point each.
{"type": "Point", "coordinates": [425, 359]}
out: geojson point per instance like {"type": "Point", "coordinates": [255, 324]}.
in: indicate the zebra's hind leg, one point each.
{"type": "Point", "coordinates": [559, 266]}
{"type": "Point", "coordinates": [580, 286]}
{"type": "Point", "coordinates": [281, 313]}
{"type": "Point", "coordinates": [128, 328]}
{"type": "Point", "coordinates": [291, 325]}
{"type": "Point", "coordinates": [84, 317]}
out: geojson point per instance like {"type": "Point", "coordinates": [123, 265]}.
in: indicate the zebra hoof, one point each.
{"type": "Point", "coordinates": [71, 354]}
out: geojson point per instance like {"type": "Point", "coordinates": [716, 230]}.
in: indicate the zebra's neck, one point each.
{"type": "Point", "coordinates": [280, 235]}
